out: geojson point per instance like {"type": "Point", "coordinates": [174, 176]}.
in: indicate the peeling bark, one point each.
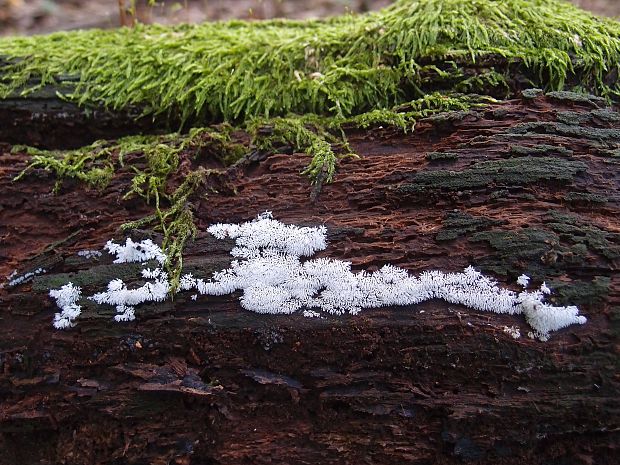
{"type": "Point", "coordinates": [528, 186]}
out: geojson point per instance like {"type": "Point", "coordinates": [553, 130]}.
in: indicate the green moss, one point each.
{"type": "Point", "coordinates": [302, 134]}
{"type": "Point", "coordinates": [90, 164]}
{"type": "Point", "coordinates": [490, 82]}
{"type": "Point", "coordinates": [514, 171]}
{"type": "Point", "coordinates": [176, 223]}
{"type": "Point", "coordinates": [341, 66]}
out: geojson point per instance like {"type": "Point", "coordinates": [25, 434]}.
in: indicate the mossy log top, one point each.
{"type": "Point", "coordinates": [206, 382]}
{"type": "Point", "coordinates": [341, 66]}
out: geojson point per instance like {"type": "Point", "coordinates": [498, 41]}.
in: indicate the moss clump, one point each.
{"type": "Point", "coordinates": [341, 66]}
{"type": "Point", "coordinates": [90, 164]}
{"type": "Point", "coordinates": [514, 171]}
{"type": "Point", "coordinates": [300, 133]}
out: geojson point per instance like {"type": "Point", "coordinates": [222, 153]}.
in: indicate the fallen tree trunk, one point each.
{"type": "Point", "coordinates": [45, 119]}
{"type": "Point", "coordinates": [525, 186]}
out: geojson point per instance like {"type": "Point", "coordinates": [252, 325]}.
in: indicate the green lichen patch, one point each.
{"type": "Point", "coordinates": [572, 117]}
{"type": "Point", "coordinates": [511, 172]}
{"type": "Point", "coordinates": [600, 115]}
{"type": "Point", "coordinates": [605, 114]}
{"type": "Point", "coordinates": [613, 153]}
{"type": "Point", "coordinates": [342, 66]}
{"type": "Point", "coordinates": [514, 251]}
{"type": "Point", "coordinates": [585, 198]}
{"type": "Point", "coordinates": [540, 149]}
{"type": "Point", "coordinates": [602, 135]}
{"type": "Point", "coordinates": [442, 156]}
{"type": "Point", "coordinates": [576, 230]}
{"type": "Point", "coordinates": [577, 97]}
{"type": "Point", "coordinates": [93, 277]}
{"type": "Point", "coordinates": [457, 224]}
{"type": "Point", "coordinates": [567, 242]}
{"type": "Point", "coordinates": [530, 94]}
{"type": "Point", "coordinates": [580, 292]}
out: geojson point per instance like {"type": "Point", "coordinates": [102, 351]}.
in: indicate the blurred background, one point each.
{"type": "Point", "coordinates": [42, 16]}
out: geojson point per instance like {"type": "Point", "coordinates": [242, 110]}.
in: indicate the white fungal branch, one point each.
{"type": "Point", "coordinates": [267, 234]}
{"type": "Point", "coordinates": [117, 293]}
{"type": "Point", "coordinates": [135, 251]}
{"type": "Point", "coordinates": [66, 299]}
{"type": "Point", "coordinates": [274, 278]}
{"type": "Point", "coordinates": [523, 280]}
{"type": "Point", "coordinates": [126, 299]}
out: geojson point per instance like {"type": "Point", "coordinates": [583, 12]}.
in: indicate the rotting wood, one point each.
{"type": "Point", "coordinates": [204, 381]}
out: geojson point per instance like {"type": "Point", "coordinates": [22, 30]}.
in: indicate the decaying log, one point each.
{"type": "Point", "coordinates": [527, 185]}
{"type": "Point", "coordinates": [43, 118]}
{"type": "Point", "coordinates": [48, 118]}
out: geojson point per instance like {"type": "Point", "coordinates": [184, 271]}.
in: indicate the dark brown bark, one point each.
{"type": "Point", "coordinates": [536, 191]}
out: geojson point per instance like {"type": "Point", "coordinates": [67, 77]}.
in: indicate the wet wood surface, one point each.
{"type": "Point", "coordinates": [526, 186]}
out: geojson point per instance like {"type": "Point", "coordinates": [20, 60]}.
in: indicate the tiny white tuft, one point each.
{"type": "Point", "coordinates": [66, 298]}
{"type": "Point", "coordinates": [135, 251]}
{"type": "Point", "coordinates": [523, 280]}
